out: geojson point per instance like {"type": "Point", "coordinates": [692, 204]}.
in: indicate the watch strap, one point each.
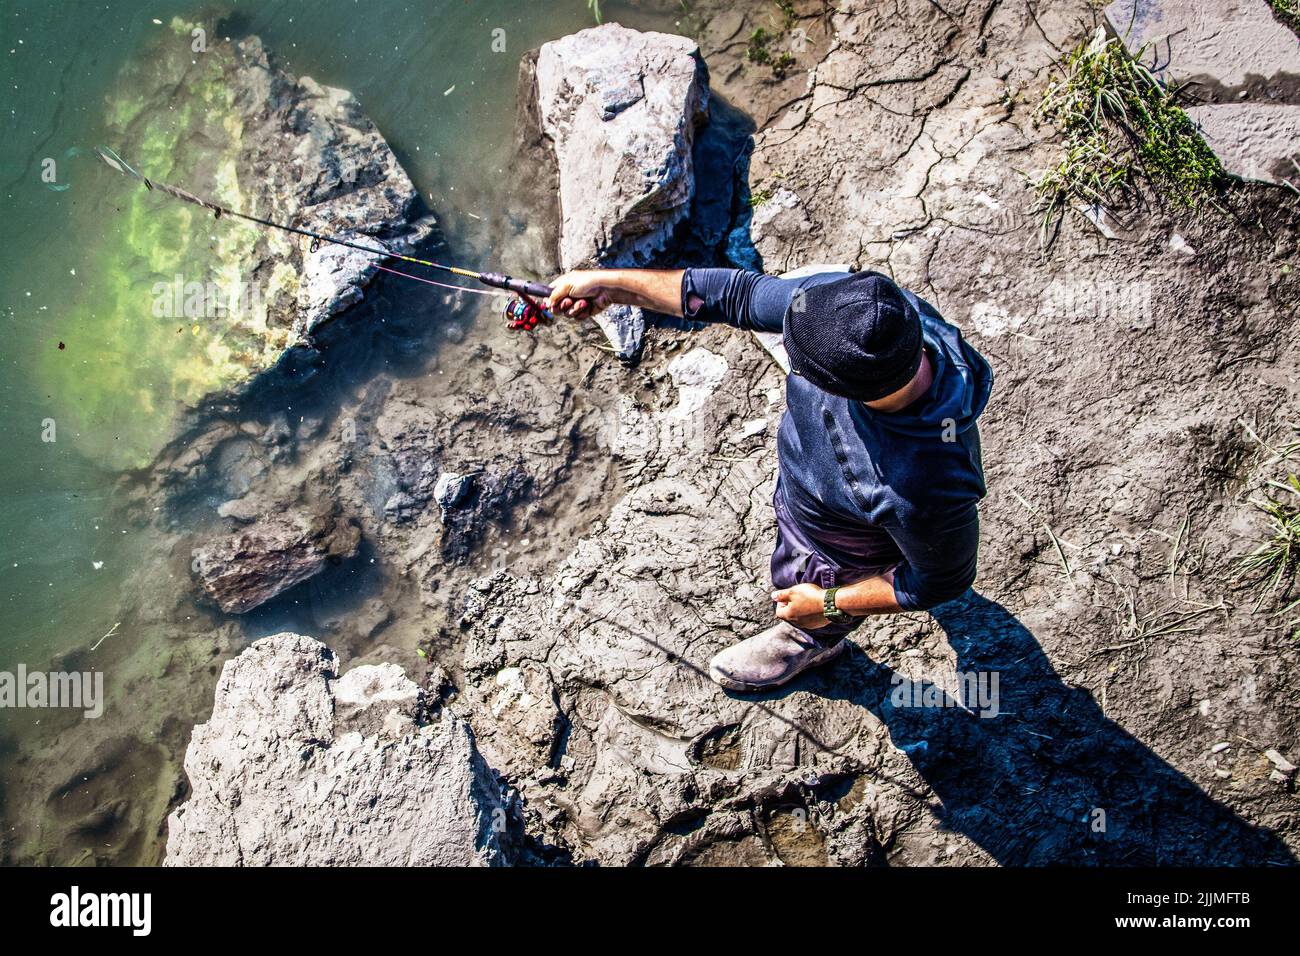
{"type": "Point", "coordinates": [831, 612]}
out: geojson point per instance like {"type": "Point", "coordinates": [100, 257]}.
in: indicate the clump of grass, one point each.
{"type": "Point", "coordinates": [759, 196]}
{"type": "Point", "coordinates": [760, 44]}
{"type": "Point", "coordinates": [594, 7]}
{"type": "Point", "coordinates": [1119, 123]}
{"type": "Point", "coordinates": [757, 51]}
{"type": "Point", "coordinates": [1288, 11]}
{"type": "Point", "coordinates": [1274, 564]}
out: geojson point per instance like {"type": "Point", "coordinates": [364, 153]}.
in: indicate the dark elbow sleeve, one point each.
{"type": "Point", "coordinates": [925, 583]}
{"type": "Point", "coordinates": [919, 591]}
{"type": "Point", "coordinates": [747, 300]}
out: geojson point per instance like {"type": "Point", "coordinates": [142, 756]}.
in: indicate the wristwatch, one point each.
{"type": "Point", "coordinates": [828, 606]}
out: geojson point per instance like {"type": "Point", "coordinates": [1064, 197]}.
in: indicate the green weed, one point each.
{"type": "Point", "coordinates": [761, 40]}
{"type": "Point", "coordinates": [1272, 566]}
{"type": "Point", "coordinates": [1119, 124]}
{"type": "Point", "coordinates": [1288, 11]}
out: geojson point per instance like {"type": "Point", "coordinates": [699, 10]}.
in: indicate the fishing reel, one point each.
{"type": "Point", "coordinates": [523, 314]}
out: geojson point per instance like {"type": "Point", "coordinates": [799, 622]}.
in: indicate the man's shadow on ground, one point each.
{"type": "Point", "coordinates": [1030, 785]}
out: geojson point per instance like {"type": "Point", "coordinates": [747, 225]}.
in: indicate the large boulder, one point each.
{"type": "Point", "coordinates": [619, 109]}
{"type": "Point", "coordinates": [299, 766]}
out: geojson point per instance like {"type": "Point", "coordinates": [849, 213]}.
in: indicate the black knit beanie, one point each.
{"type": "Point", "coordinates": [856, 337]}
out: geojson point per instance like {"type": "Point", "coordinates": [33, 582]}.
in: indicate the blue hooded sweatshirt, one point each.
{"type": "Point", "coordinates": [869, 488]}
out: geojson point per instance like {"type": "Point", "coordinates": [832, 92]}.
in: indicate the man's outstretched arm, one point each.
{"type": "Point", "coordinates": [747, 300]}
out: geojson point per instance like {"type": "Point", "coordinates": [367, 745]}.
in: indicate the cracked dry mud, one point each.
{"type": "Point", "coordinates": [1124, 370]}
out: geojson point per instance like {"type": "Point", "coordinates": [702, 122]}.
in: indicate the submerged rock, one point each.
{"type": "Point", "coordinates": [486, 502]}
{"type": "Point", "coordinates": [271, 555]}
{"type": "Point", "coordinates": [181, 307]}
{"type": "Point", "coordinates": [298, 766]}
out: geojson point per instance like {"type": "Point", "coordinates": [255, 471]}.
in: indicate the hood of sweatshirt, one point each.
{"type": "Point", "coordinates": [959, 392]}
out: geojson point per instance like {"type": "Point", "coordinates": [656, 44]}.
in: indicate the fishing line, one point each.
{"type": "Point", "coordinates": [441, 285]}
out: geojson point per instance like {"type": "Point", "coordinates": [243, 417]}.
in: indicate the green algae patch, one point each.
{"type": "Point", "coordinates": [171, 305]}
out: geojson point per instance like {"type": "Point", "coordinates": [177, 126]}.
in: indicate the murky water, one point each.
{"type": "Point", "coordinates": [90, 383]}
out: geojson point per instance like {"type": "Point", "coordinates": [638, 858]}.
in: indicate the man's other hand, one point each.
{"type": "Point", "coordinates": [802, 605]}
{"type": "Point", "coordinates": [581, 294]}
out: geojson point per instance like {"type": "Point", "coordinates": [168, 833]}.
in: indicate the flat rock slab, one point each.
{"type": "Point", "coordinates": [1227, 47]}
{"type": "Point", "coordinates": [267, 557]}
{"type": "Point", "coordinates": [300, 767]}
{"type": "Point", "coordinates": [1256, 141]}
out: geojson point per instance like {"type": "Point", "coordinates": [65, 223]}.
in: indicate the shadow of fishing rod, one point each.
{"type": "Point", "coordinates": [755, 701]}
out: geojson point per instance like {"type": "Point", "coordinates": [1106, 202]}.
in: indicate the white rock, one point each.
{"type": "Point", "coordinates": [621, 107]}
{"type": "Point", "coordinates": [782, 218]}
{"type": "Point", "coordinates": [749, 430]}
{"type": "Point", "coordinates": [1101, 218]}
{"type": "Point", "coordinates": [696, 374]}
{"type": "Point", "coordinates": [297, 766]}
{"type": "Point", "coordinates": [450, 489]}
{"type": "Point", "coordinates": [992, 320]}
{"type": "Point", "coordinates": [333, 277]}
{"type": "Point", "coordinates": [1282, 765]}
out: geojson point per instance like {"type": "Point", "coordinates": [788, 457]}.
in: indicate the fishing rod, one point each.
{"type": "Point", "coordinates": [522, 313]}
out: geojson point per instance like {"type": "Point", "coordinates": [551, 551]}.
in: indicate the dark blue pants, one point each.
{"type": "Point", "coordinates": [796, 560]}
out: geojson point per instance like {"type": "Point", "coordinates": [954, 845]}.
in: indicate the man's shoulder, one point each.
{"type": "Point", "coordinates": [937, 515]}
{"type": "Point", "coordinates": [942, 484]}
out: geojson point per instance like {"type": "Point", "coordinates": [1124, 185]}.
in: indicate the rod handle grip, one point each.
{"type": "Point", "coordinates": [536, 289]}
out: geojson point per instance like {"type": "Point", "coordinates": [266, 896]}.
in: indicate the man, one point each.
{"type": "Point", "coordinates": [879, 472]}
